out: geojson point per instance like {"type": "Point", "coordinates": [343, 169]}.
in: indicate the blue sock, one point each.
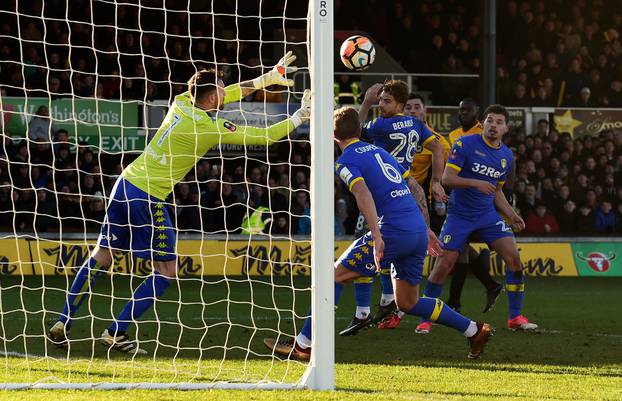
{"type": "Point", "coordinates": [306, 329]}
{"type": "Point", "coordinates": [387, 283]}
{"type": "Point", "coordinates": [515, 287]}
{"type": "Point", "coordinates": [435, 310]}
{"type": "Point", "coordinates": [432, 290]}
{"type": "Point", "coordinates": [80, 288]}
{"type": "Point", "coordinates": [362, 291]}
{"type": "Point", "coordinates": [142, 299]}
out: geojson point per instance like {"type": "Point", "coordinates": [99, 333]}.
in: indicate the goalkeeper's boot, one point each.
{"type": "Point", "coordinates": [491, 297]}
{"type": "Point", "coordinates": [384, 312]}
{"type": "Point", "coordinates": [288, 348]}
{"type": "Point", "coordinates": [121, 342]}
{"type": "Point", "coordinates": [424, 328]}
{"type": "Point", "coordinates": [356, 325]}
{"type": "Point", "coordinates": [58, 335]}
{"type": "Point", "coordinates": [521, 323]}
{"type": "Point", "coordinates": [479, 340]}
{"type": "Point", "coordinates": [391, 322]}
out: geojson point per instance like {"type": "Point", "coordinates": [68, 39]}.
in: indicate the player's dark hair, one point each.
{"type": "Point", "coordinates": [398, 89]}
{"type": "Point", "coordinates": [413, 95]}
{"type": "Point", "coordinates": [497, 109]}
{"type": "Point", "coordinates": [470, 100]}
{"type": "Point", "coordinates": [204, 82]}
{"type": "Point", "coordinates": [346, 123]}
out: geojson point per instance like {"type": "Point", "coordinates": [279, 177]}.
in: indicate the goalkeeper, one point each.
{"type": "Point", "coordinates": [137, 219]}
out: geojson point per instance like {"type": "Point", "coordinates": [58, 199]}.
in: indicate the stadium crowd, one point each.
{"type": "Point", "coordinates": [549, 53]}
{"type": "Point", "coordinates": [564, 186]}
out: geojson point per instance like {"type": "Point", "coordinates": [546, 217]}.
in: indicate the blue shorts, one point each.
{"type": "Point", "coordinates": [404, 254]}
{"type": "Point", "coordinates": [487, 228]}
{"type": "Point", "coordinates": [138, 222]}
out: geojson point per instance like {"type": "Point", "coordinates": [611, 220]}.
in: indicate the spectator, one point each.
{"type": "Point", "coordinates": [527, 204]}
{"type": "Point", "coordinates": [585, 221]}
{"type": "Point", "coordinates": [567, 218]}
{"type": "Point", "coordinates": [97, 208]}
{"type": "Point", "coordinates": [46, 218]}
{"type": "Point", "coordinates": [584, 99]}
{"type": "Point", "coordinates": [606, 219]}
{"type": "Point", "coordinates": [40, 127]}
{"type": "Point", "coordinates": [541, 222]}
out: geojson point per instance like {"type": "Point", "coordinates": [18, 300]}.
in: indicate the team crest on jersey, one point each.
{"type": "Point", "coordinates": [447, 239]}
{"type": "Point", "coordinates": [459, 144]}
{"type": "Point", "coordinates": [504, 163]}
{"type": "Point", "coordinates": [230, 126]}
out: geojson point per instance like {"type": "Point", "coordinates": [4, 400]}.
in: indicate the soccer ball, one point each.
{"type": "Point", "coordinates": [357, 53]}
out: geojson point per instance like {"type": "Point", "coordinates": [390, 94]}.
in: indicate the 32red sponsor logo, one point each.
{"type": "Point", "coordinates": [598, 261]}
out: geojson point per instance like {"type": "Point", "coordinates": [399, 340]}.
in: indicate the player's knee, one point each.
{"type": "Point", "coordinates": [102, 255]}
{"type": "Point", "coordinates": [166, 268]}
{"type": "Point", "coordinates": [441, 270]}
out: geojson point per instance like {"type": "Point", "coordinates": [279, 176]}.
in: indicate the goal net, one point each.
{"type": "Point", "coordinates": [84, 87]}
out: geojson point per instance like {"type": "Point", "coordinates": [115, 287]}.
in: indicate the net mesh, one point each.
{"type": "Point", "coordinates": [84, 86]}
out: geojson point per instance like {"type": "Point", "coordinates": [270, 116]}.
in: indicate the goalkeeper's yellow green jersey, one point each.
{"type": "Point", "coordinates": [185, 136]}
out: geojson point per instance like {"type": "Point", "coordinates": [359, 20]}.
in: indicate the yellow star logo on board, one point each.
{"type": "Point", "coordinates": [566, 123]}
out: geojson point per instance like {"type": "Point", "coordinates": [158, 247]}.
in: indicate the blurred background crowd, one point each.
{"type": "Point", "coordinates": [550, 53]}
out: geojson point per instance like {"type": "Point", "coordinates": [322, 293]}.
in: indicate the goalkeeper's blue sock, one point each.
{"type": "Point", "coordinates": [515, 287]}
{"type": "Point", "coordinates": [435, 310]}
{"type": "Point", "coordinates": [362, 294]}
{"type": "Point", "coordinates": [387, 287]}
{"type": "Point", "coordinates": [142, 299]}
{"type": "Point", "coordinates": [432, 290]}
{"type": "Point", "coordinates": [82, 283]}
{"type": "Point", "coordinates": [304, 337]}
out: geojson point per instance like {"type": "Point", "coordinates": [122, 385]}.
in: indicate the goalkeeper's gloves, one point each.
{"type": "Point", "coordinates": [304, 112]}
{"type": "Point", "coordinates": [276, 76]}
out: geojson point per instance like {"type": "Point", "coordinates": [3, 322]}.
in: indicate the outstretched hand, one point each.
{"type": "Point", "coordinates": [278, 74]}
{"type": "Point", "coordinates": [372, 95]}
{"type": "Point", "coordinates": [304, 112]}
{"type": "Point", "coordinates": [434, 245]}
{"type": "Point", "coordinates": [378, 251]}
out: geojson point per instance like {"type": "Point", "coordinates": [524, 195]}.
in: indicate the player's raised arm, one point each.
{"type": "Point", "coordinates": [278, 75]}
{"type": "Point", "coordinates": [438, 164]}
{"type": "Point", "coordinates": [247, 135]}
{"type": "Point", "coordinates": [372, 95]}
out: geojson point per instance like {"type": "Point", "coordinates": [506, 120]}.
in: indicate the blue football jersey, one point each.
{"type": "Point", "coordinates": [397, 209]}
{"type": "Point", "coordinates": [402, 136]}
{"type": "Point", "coordinates": [472, 157]}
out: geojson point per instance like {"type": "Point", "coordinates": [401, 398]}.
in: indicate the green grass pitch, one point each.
{"type": "Point", "coordinates": [576, 356]}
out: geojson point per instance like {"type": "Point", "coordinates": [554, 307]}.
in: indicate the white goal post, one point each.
{"type": "Point", "coordinates": [318, 374]}
{"type": "Point", "coordinates": [321, 373]}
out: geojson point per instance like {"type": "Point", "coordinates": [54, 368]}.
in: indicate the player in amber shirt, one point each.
{"type": "Point", "coordinates": [422, 162]}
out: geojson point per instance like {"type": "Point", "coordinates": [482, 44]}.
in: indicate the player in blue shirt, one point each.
{"type": "Point", "coordinates": [476, 171]}
{"type": "Point", "coordinates": [398, 237]}
{"type": "Point", "coordinates": [404, 137]}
